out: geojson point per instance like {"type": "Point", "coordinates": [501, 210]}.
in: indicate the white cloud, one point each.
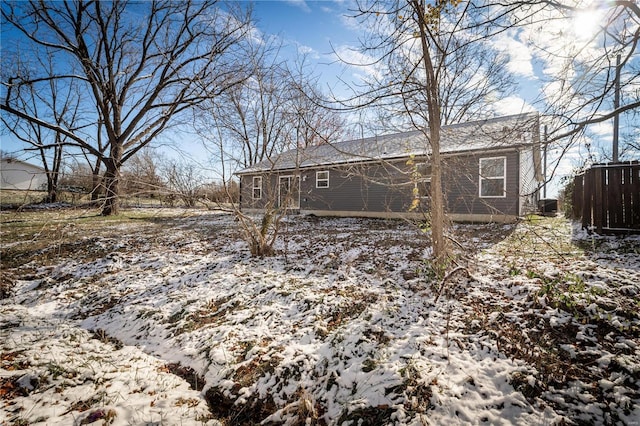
{"type": "Point", "coordinates": [563, 163]}
{"type": "Point", "coordinates": [305, 50]}
{"type": "Point", "coordinates": [363, 65]}
{"type": "Point", "coordinates": [556, 37]}
{"type": "Point", "coordinates": [604, 128]}
{"type": "Point", "coordinates": [586, 23]}
{"type": "Point", "coordinates": [520, 57]}
{"type": "Point", "coordinates": [512, 105]}
{"type": "Point", "coordinates": [350, 22]}
{"type": "Point", "coordinates": [256, 35]}
{"type": "Point", "coordinates": [301, 4]}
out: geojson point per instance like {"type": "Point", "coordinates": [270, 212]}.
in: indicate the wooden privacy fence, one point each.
{"type": "Point", "coordinates": [607, 198]}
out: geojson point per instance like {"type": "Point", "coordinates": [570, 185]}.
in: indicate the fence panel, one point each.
{"type": "Point", "coordinates": [587, 199]}
{"type": "Point", "coordinates": [633, 187]}
{"type": "Point", "coordinates": [607, 197]}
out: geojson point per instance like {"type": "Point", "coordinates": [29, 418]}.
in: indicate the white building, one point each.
{"type": "Point", "coordinates": [17, 174]}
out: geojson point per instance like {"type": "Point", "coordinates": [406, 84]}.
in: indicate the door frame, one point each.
{"type": "Point", "coordinates": [295, 198]}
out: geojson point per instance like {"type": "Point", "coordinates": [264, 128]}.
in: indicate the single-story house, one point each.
{"type": "Point", "coordinates": [20, 175]}
{"type": "Point", "coordinates": [491, 171]}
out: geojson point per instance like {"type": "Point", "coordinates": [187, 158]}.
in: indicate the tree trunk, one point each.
{"type": "Point", "coordinates": [437, 199]}
{"type": "Point", "coordinates": [112, 189]}
{"type": "Point", "coordinates": [438, 219]}
{"type": "Point", "coordinates": [96, 182]}
{"type": "Point", "coordinates": [52, 190]}
{"type": "Point", "coordinates": [54, 176]}
{"type": "Point", "coordinates": [95, 187]}
{"type": "Point", "coordinates": [112, 181]}
{"type": "Point", "coordinates": [437, 196]}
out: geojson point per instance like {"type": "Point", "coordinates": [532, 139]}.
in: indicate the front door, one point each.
{"type": "Point", "coordinates": [289, 192]}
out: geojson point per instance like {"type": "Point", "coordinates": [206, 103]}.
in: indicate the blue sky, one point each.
{"type": "Point", "coordinates": [305, 26]}
{"type": "Point", "coordinates": [311, 27]}
{"type": "Point", "coordinates": [322, 26]}
{"type": "Point", "coordinates": [319, 27]}
{"type": "Point", "coordinates": [316, 23]}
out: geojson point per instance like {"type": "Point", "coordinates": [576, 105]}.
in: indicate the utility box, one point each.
{"type": "Point", "coordinates": [548, 206]}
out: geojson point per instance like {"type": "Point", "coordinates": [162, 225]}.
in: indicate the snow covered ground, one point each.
{"type": "Point", "coordinates": [166, 319]}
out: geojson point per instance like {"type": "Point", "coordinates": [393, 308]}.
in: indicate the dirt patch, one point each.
{"type": "Point", "coordinates": [10, 388]}
{"type": "Point", "coordinates": [250, 412]}
{"type": "Point", "coordinates": [103, 337]}
{"type": "Point", "coordinates": [195, 380]}
{"type": "Point", "coordinates": [7, 282]}
{"type": "Point", "coordinates": [368, 416]}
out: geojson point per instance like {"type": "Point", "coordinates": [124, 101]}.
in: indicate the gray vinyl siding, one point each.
{"type": "Point", "coordinates": [461, 179]}
{"type": "Point", "coordinates": [387, 187]}
{"type": "Point", "coordinates": [269, 190]}
{"type": "Point", "coordinates": [367, 187]}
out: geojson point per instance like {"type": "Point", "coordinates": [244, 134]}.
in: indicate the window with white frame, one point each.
{"type": "Point", "coordinates": [257, 188]}
{"type": "Point", "coordinates": [322, 179]}
{"type": "Point", "coordinates": [493, 177]}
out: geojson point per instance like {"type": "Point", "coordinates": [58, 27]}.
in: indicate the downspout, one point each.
{"type": "Point", "coordinates": [544, 167]}
{"type": "Point", "coordinates": [239, 195]}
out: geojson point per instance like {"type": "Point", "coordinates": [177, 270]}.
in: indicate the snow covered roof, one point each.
{"type": "Point", "coordinates": [496, 133]}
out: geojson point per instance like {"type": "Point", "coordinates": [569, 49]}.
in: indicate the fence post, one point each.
{"type": "Point", "coordinates": [587, 199]}
{"type": "Point", "coordinates": [634, 196]}
{"type": "Point", "coordinates": [577, 196]}
{"type": "Point", "coordinates": [615, 190]}
{"type": "Point", "coordinates": [599, 204]}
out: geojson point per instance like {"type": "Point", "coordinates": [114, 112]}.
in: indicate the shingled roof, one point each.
{"type": "Point", "coordinates": [501, 132]}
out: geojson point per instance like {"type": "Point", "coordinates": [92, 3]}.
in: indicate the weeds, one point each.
{"type": "Point", "coordinates": [292, 344]}
{"type": "Point", "coordinates": [369, 364]}
{"type": "Point", "coordinates": [213, 312]}
{"type": "Point", "coordinates": [416, 390]}
{"type": "Point", "coordinates": [526, 384]}
{"type": "Point", "coordinates": [7, 283]}
{"type": "Point", "coordinates": [367, 416]}
{"type": "Point", "coordinates": [248, 413]}
{"type": "Point", "coordinates": [87, 404]}
{"type": "Point", "coordinates": [433, 272]}
{"type": "Point", "coordinates": [107, 417]}
{"type": "Point", "coordinates": [56, 370]}
{"type": "Point", "coordinates": [195, 380]}
{"type": "Point", "coordinates": [249, 372]}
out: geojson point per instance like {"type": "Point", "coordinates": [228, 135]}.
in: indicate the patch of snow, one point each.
{"type": "Point", "coordinates": [342, 325]}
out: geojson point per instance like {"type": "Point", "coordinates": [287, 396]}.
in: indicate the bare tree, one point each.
{"type": "Point", "coordinates": [252, 115]}
{"type": "Point", "coordinates": [141, 64]}
{"type": "Point", "coordinates": [77, 177]}
{"type": "Point", "coordinates": [183, 180]}
{"type": "Point", "coordinates": [310, 122]}
{"type": "Point", "coordinates": [594, 71]}
{"type": "Point", "coordinates": [56, 102]}
{"type": "Point", "coordinates": [141, 174]}
{"type": "Point", "coordinates": [271, 112]}
{"type": "Point", "coordinates": [428, 65]}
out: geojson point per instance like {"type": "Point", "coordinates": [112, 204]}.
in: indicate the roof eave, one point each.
{"type": "Point", "coordinates": [361, 160]}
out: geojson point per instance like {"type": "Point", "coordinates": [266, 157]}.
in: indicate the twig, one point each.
{"type": "Point", "coordinates": [447, 277]}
